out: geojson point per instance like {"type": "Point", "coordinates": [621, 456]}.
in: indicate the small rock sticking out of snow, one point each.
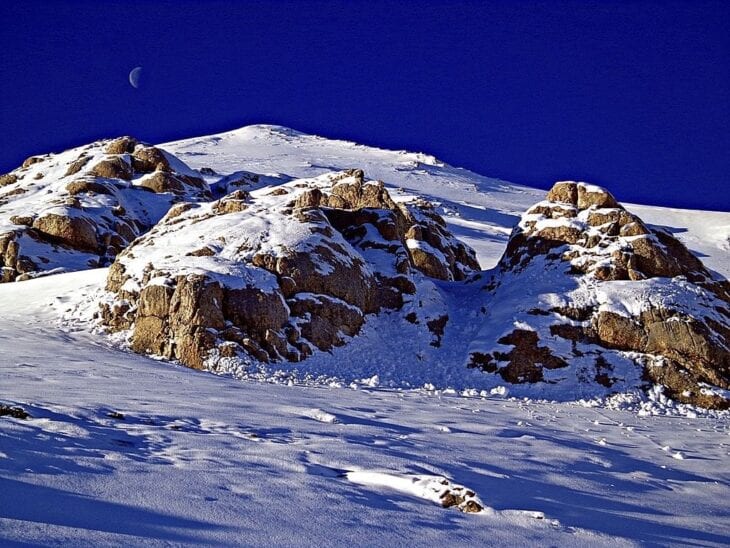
{"type": "Point", "coordinates": [434, 488]}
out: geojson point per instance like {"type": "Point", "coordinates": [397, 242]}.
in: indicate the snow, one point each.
{"type": "Point", "coordinates": [198, 458]}
{"type": "Point", "coordinates": [319, 415]}
{"type": "Point", "coordinates": [480, 211]}
{"type": "Point", "coordinates": [352, 446]}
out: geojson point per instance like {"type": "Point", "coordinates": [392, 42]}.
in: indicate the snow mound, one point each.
{"type": "Point", "coordinates": [432, 488]}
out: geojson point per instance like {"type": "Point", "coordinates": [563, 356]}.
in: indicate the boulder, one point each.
{"type": "Point", "coordinates": [162, 181]}
{"type": "Point", "coordinates": [147, 159]}
{"type": "Point", "coordinates": [564, 192]}
{"type": "Point", "coordinates": [76, 232]}
{"type": "Point", "coordinates": [86, 186]}
{"type": "Point", "coordinates": [8, 179]}
{"type": "Point", "coordinates": [78, 164]}
{"type": "Point", "coordinates": [113, 168]}
{"type": "Point", "coordinates": [32, 160]}
{"type": "Point", "coordinates": [122, 145]}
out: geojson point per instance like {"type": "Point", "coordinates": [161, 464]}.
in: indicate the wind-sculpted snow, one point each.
{"type": "Point", "coordinates": [587, 293]}
{"type": "Point", "coordinates": [79, 209]}
{"type": "Point", "coordinates": [121, 449]}
{"type": "Point", "coordinates": [280, 273]}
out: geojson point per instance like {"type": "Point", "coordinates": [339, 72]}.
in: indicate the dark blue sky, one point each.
{"type": "Point", "coordinates": [630, 95]}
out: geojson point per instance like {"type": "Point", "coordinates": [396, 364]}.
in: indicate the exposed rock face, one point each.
{"type": "Point", "coordinates": [585, 290]}
{"type": "Point", "coordinates": [80, 208]}
{"type": "Point", "coordinates": [275, 274]}
{"type": "Point", "coordinates": [75, 232]}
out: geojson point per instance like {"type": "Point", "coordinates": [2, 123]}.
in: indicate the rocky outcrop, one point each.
{"type": "Point", "coordinates": [275, 274]}
{"type": "Point", "coordinates": [80, 208]}
{"type": "Point", "coordinates": [588, 292]}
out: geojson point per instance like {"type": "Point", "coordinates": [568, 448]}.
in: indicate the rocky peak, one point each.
{"type": "Point", "coordinates": [277, 273]}
{"type": "Point", "coordinates": [80, 208]}
{"type": "Point", "coordinates": [605, 240]}
{"type": "Point", "coordinates": [602, 291]}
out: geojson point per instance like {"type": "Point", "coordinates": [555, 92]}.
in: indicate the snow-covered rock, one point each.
{"type": "Point", "coordinates": [80, 208]}
{"type": "Point", "coordinates": [587, 293]}
{"type": "Point", "coordinates": [280, 272]}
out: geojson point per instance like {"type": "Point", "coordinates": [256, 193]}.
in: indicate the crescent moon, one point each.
{"type": "Point", "coordinates": [134, 76]}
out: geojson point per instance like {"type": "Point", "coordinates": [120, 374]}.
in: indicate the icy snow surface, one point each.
{"type": "Point", "coordinates": [125, 450]}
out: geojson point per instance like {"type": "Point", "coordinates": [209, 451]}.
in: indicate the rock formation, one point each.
{"type": "Point", "coordinates": [587, 293]}
{"type": "Point", "coordinates": [80, 208]}
{"type": "Point", "coordinates": [207, 266]}
{"type": "Point", "coordinates": [278, 273]}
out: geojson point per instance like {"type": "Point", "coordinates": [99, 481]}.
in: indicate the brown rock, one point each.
{"type": "Point", "coordinates": [196, 301]}
{"type": "Point", "coordinates": [328, 285]}
{"type": "Point", "coordinates": [633, 229]}
{"type": "Point", "coordinates": [8, 179]}
{"type": "Point", "coordinates": [277, 191]}
{"type": "Point", "coordinates": [32, 160]}
{"type": "Point", "coordinates": [84, 186]}
{"type": "Point", "coordinates": [326, 319]}
{"type": "Point", "coordinates": [553, 211]}
{"type": "Point", "coordinates": [122, 145]}
{"type": "Point", "coordinates": [78, 164]}
{"type": "Point", "coordinates": [76, 232]}
{"type": "Point", "coordinates": [179, 209]}
{"type": "Point", "coordinates": [154, 300]}
{"type": "Point", "coordinates": [192, 347]}
{"type": "Point", "coordinates": [7, 274]}
{"type": "Point", "coordinates": [560, 234]}
{"type": "Point", "coordinates": [113, 168]}
{"type": "Point", "coordinates": [149, 335]}
{"type": "Point", "coordinates": [147, 159]}
{"type": "Point", "coordinates": [25, 220]}
{"type": "Point", "coordinates": [309, 198]}
{"type": "Point", "coordinates": [233, 203]}
{"type": "Point", "coordinates": [565, 192]}
{"type": "Point", "coordinates": [652, 260]}
{"type": "Point", "coordinates": [162, 181]}
{"type": "Point", "coordinates": [526, 360]}
{"type": "Point", "coordinates": [619, 332]}
{"type": "Point", "coordinates": [620, 216]}
{"type": "Point", "coordinates": [116, 278]}
{"type": "Point", "coordinates": [589, 196]}
{"type": "Point", "coordinates": [429, 263]}
{"type": "Point", "coordinates": [255, 311]}
{"type": "Point", "coordinates": [349, 282]}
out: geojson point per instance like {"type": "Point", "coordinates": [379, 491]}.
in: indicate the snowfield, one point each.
{"type": "Point", "coordinates": [350, 447]}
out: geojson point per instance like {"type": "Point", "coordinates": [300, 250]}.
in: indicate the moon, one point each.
{"type": "Point", "coordinates": [134, 76]}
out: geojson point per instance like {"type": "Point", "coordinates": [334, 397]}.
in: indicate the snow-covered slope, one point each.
{"type": "Point", "coordinates": [125, 450]}
{"type": "Point", "coordinates": [480, 210]}
{"type": "Point", "coordinates": [122, 449]}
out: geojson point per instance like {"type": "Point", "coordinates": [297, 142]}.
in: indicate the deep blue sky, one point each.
{"type": "Point", "coordinates": [630, 95]}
